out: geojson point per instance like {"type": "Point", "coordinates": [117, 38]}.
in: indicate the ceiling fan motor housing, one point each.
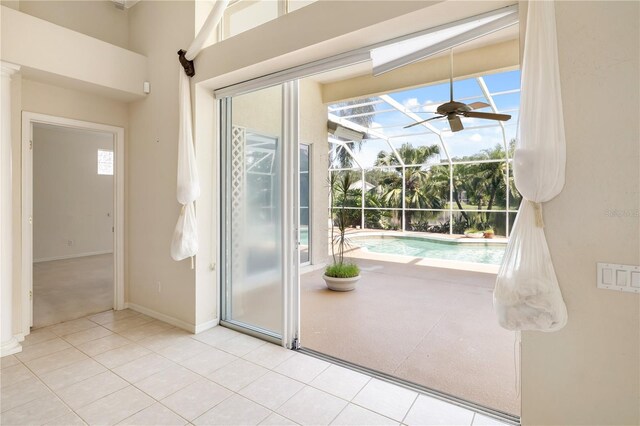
{"type": "Point", "coordinates": [452, 107]}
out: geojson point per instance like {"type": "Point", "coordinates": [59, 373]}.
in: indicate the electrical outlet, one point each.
{"type": "Point", "coordinates": [70, 243]}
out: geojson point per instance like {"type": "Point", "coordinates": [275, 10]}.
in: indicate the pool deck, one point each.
{"type": "Point", "coordinates": [423, 320]}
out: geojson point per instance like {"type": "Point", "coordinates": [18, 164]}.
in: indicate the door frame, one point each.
{"type": "Point", "coordinates": [291, 246]}
{"type": "Point", "coordinates": [28, 120]}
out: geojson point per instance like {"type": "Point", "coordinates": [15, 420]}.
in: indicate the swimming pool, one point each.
{"type": "Point", "coordinates": [480, 252]}
{"type": "Point", "coordinates": [304, 236]}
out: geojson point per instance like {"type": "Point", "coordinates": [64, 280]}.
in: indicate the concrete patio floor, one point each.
{"type": "Point", "coordinates": [431, 325]}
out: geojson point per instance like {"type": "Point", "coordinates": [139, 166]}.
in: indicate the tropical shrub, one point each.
{"type": "Point", "coordinates": [339, 186]}
{"type": "Point", "coordinates": [342, 270]}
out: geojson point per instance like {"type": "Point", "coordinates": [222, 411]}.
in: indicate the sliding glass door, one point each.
{"type": "Point", "coordinates": [257, 243]}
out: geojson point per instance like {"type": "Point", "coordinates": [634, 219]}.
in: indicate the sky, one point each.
{"type": "Point", "coordinates": [426, 99]}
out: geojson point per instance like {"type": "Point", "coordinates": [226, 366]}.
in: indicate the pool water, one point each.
{"type": "Point", "coordinates": [491, 254]}
{"type": "Point", "coordinates": [304, 236]}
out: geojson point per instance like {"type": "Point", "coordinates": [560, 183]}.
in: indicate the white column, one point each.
{"type": "Point", "coordinates": [9, 343]}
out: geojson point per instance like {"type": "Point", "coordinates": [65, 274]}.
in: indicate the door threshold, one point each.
{"type": "Point", "coordinates": [253, 332]}
{"type": "Point", "coordinates": [485, 411]}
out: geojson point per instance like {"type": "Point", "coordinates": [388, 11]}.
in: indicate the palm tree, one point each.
{"type": "Point", "coordinates": [494, 175]}
{"type": "Point", "coordinates": [484, 183]}
{"type": "Point", "coordinates": [418, 191]}
{"type": "Point", "coordinates": [409, 155]}
{"type": "Point", "coordinates": [439, 182]}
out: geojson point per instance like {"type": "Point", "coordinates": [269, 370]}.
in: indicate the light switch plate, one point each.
{"type": "Point", "coordinates": [635, 279]}
{"type": "Point", "coordinates": [619, 277]}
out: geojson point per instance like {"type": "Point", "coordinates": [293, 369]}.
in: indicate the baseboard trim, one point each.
{"type": "Point", "coordinates": [72, 256]}
{"type": "Point", "coordinates": [10, 347]}
{"type": "Point", "coordinates": [207, 325]}
{"type": "Point", "coordinates": [162, 317]}
{"type": "Point", "coordinates": [195, 329]}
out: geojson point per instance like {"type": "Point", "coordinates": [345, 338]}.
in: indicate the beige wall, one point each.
{"type": "Point", "coordinates": [71, 201]}
{"type": "Point", "coordinates": [53, 100]}
{"type": "Point", "coordinates": [157, 282]}
{"type": "Point", "coordinates": [56, 55]}
{"type": "Point", "coordinates": [589, 372]}
{"type": "Point", "coordinates": [313, 131]}
{"type": "Point", "coordinates": [97, 18]}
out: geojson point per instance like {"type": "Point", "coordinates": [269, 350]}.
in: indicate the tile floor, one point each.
{"type": "Point", "coordinates": [129, 369]}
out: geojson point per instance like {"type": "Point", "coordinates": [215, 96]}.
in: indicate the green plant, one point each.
{"type": "Point", "coordinates": [420, 190]}
{"type": "Point", "coordinates": [441, 228]}
{"type": "Point", "coordinates": [342, 270]}
{"type": "Point", "coordinates": [339, 186]}
{"type": "Point", "coordinates": [459, 224]}
{"type": "Point", "coordinates": [471, 230]}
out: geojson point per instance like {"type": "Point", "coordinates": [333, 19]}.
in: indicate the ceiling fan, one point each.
{"type": "Point", "coordinates": [453, 110]}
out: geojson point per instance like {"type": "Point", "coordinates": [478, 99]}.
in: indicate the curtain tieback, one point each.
{"type": "Point", "coordinates": [537, 208]}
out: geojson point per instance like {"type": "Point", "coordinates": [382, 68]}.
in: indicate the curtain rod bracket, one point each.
{"type": "Point", "coordinates": [189, 69]}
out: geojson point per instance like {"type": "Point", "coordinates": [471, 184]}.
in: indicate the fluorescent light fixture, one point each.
{"type": "Point", "coordinates": [439, 39]}
{"type": "Point", "coordinates": [341, 131]}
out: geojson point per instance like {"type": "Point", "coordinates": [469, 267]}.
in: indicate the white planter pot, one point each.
{"type": "Point", "coordinates": [474, 234]}
{"type": "Point", "coordinates": [341, 284]}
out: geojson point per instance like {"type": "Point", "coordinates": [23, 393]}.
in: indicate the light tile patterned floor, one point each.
{"type": "Point", "coordinates": [127, 368]}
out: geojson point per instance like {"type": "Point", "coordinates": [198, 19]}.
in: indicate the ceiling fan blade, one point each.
{"type": "Point", "coordinates": [487, 115]}
{"type": "Point", "coordinates": [423, 121]}
{"type": "Point", "coordinates": [478, 105]}
{"type": "Point", "coordinates": [455, 123]}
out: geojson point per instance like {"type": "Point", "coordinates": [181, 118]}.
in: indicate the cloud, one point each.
{"type": "Point", "coordinates": [476, 137]}
{"type": "Point", "coordinates": [411, 103]}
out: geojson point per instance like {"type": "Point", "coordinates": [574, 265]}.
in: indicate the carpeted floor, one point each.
{"type": "Point", "coordinates": [71, 288]}
{"type": "Point", "coordinates": [429, 325]}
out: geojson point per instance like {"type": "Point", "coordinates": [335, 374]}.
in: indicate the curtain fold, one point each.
{"type": "Point", "coordinates": [527, 295]}
{"type": "Point", "coordinates": [184, 243]}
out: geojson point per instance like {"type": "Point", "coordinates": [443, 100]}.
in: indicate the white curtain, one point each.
{"type": "Point", "coordinates": [185, 236]}
{"type": "Point", "coordinates": [527, 295]}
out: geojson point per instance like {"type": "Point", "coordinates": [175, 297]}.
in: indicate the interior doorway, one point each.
{"type": "Point", "coordinates": [73, 205]}
{"type": "Point", "coordinates": [73, 209]}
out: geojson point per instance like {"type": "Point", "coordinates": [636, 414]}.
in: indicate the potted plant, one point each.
{"type": "Point", "coordinates": [489, 233]}
{"type": "Point", "coordinates": [340, 275]}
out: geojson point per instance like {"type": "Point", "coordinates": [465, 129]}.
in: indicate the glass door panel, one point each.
{"type": "Point", "coordinates": [305, 213]}
{"type": "Point", "coordinates": [253, 225]}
